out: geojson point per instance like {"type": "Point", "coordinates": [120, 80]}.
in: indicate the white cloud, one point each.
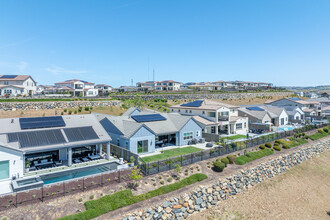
{"type": "Point", "coordinates": [56, 70]}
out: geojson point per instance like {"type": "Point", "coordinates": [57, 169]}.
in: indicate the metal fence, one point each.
{"type": "Point", "coordinates": [183, 160]}
{"type": "Point", "coordinates": [69, 187]}
{"type": "Point", "coordinates": [120, 152]}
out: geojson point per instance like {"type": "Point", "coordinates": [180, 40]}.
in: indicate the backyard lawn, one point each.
{"type": "Point", "coordinates": [171, 153]}
{"type": "Point", "coordinates": [234, 137]}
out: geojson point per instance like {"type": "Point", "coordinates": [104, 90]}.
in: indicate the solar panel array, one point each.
{"type": "Point", "coordinates": [197, 103]}
{"type": "Point", "coordinates": [37, 138]}
{"type": "Point", "coordinates": [255, 108]}
{"type": "Point", "coordinates": [41, 122]}
{"type": "Point", "coordinates": [80, 134]}
{"type": "Point", "coordinates": [148, 118]}
{"type": "Point", "coordinates": [8, 76]}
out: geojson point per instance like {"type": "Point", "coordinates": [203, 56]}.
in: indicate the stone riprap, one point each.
{"type": "Point", "coordinates": [204, 96]}
{"type": "Point", "coordinates": [23, 106]}
{"type": "Point", "coordinates": [205, 197]}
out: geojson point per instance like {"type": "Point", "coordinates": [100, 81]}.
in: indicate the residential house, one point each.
{"type": "Point", "coordinates": [258, 118]}
{"type": "Point", "coordinates": [295, 113]}
{"type": "Point", "coordinates": [127, 89]}
{"type": "Point", "coordinates": [28, 144]}
{"type": "Point", "coordinates": [17, 85]}
{"type": "Point", "coordinates": [79, 87]}
{"type": "Point", "coordinates": [103, 89]}
{"type": "Point", "coordinates": [167, 85]}
{"type": "Point", "coordinates": [146, 86]}
{"type": "Point", "coordinates": [278, 115]}
{"type": "Point", "coordinates": [224, 117]}
{"type": "Point", "coordinates": [144, 131]}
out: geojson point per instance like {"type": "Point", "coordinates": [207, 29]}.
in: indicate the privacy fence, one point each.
{"type": "Point", "coordinates": [69, 187]}
{"type": "Point", "coordinates": [169, 163]}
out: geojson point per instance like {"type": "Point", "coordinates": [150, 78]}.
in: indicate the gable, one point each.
{"type": "Point", "coordinates": [110, 127]}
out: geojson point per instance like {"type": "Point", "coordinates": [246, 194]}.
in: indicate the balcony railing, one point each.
{"type": "Point", "coordinates": [223, 118]}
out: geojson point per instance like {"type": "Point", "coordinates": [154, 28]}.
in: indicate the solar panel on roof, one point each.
{"type": "Point", "coordinates": [148, 118]}
{"type": "Point", "coordinates": [37, 138]}
{"type": "Point", "coordinates": [80, 134]}
{"type": "Point", "coordinates": [8, 76]}
{"type": "Point", "coordinates": [255, 108]}
{"type": "Point", "coordinates": [197, 103]}
{"type": "Point", "coordinates": [41, 122]}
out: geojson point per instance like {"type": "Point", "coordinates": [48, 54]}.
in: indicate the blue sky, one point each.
{"type": "Point", "coordinates": [286, 42]}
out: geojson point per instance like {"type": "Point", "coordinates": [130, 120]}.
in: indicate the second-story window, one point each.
{"type": "Point", "coordinates": [5, 82]}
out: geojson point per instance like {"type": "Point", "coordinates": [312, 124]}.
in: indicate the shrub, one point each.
{"type": "Point", "coordinates": [276, 144]}
{"type": "Point", "coordinates": [320, 130]}
{"type": "Point", "coordinates": [277, 148]}
{"type": "Point", "coordinates": [253, 156]}
{"type": "Point", "coordinates": [225, 161]}
{"type": "Point", "coordinates": [268, 145]}
{"type": "Point", "coordinates": [91, 197]}
{"type": "Point", "coordinates": [80, 200]}
{"type": "Point", "coordinates": [262, 147]}
{"type": "Point", "coordinates": [285, 146]}
{"type": "Point", "coordinates": [326, 130]}
{"type": "Point", "coordinates": [65, 110]}
{"type": "Point", "coordinates": [218, 166]}
{"type": "Point", "coordinates": [231, 158]}
{"type": "Point", "coordinates": [170, 179]}
{"type": "Point", "coordinates": [70, 112]}
{"type": "Point", "coordinates": [87, 108]}
{"type": "Point", "coordinates": [162, 182]}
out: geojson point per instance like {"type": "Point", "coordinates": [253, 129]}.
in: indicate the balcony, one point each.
{"type": "Point", "coordinates": [223, 118]}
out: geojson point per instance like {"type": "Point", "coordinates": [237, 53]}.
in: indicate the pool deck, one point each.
{"type": "Point", "coordinates": [66, 168]}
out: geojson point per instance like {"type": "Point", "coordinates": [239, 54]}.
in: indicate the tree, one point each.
{"type": "Point", "coordinates": [135, 176]}
{"type": "Point", "coordinates": [138, 102]}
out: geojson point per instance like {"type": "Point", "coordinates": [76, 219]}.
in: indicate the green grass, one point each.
{"type": "Point", "coordinates": [105, 204]}
{"type": "Point", "coordinates": [234, 137]}
{"type": "Point", "coordinates": [241, 160]}
{"type": "Point", "coordinates": [54, 100]}
{"type": "Point", "coordinates": [171, 153]}
{"type": "Point", "coordinates": [318, 135]}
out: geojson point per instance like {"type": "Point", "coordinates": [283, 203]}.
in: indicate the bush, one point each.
{"type": "Point", "coordinates": [320, 130]}
{"type": "Point", "coordinates": [326, 130]}
{"type": "Point", "coordinates": [65, 110]}
{"type": "Point", "coordinates": [225, 161]}
{"type": "Point", "coordinates": [170, 179]}
{"type": "Point", "coordinates": [276, 144]}
{"type": "Point", "coordinates": [285, 146]}
{"type": "Point", "coordinates": [218, 166]}
{"type": "Point", "coordinates": [231, 158]}
{"type": "Point", "coordinates": [262, 147]}
{"type": "Point", "coordinates": [87, 108]}
{"type": "Point", "coordinates": [268, 145]}
{"type": "Point", "coordinates": [277, 148]}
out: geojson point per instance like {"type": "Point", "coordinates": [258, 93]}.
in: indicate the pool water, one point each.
{"type": "Point", "coordinates": [63, 176]}
{"type": "Point", "coordinates": [286, 128]}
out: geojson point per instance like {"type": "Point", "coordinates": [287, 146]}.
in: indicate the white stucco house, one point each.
{"type": "Point", "coordinates": [79, 87]}
{"type": "Point", "coordinates": [17, 85]}
{"type": "Point", "coordinates": [215, 117]}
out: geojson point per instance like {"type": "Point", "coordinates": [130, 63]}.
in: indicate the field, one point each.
{"type": "Point", "coordinates": [171, 153]}
{"type": "Point", "coordinates": [303, 192]}
{"type": "Point", "coordinates": [51, 112]}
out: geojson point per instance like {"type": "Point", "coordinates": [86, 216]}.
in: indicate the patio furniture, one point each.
{"type": "Point", "coordinates": [94, 157]}
{"type": "Point", "coordinates": [85, 159]}
{"type": "Point", "coordinates": [59, 163]}
{"type": "Point", "coordinates": [76, 161]}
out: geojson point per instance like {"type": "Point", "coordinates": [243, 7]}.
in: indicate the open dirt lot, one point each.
{"type": "Point", "coordinates": [303, 192]}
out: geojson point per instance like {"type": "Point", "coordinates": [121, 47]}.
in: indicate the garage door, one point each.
{"type": "Point", "coordinates": [4, 170]}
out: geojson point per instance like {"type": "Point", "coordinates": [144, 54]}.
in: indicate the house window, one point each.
{"type": "Point", "coordinates": [190, 111]}
{"type": "Point", "coordinates": [244, 124]}
{"type": "Point", "coordinates": [172, 110]}
{"type": "Point", "coordinates": [179, 110]}
{"type": "Point", "coordinates": [5, 82]}
{"type": "Point", "coordinates": [118, 142]}
{"type": "Point", "coordinates": [142, 146]}
{"type": "Point", "coordinates": [239, 126]}
{"type": "Point", "coordinates": [126, 144]}
{"type": "Point", "coordinates": [203, 112]}
{"type": "Point", "coordinates": [188, 135]}
{"type": "Point", "coordinates": [198, 133]}
{"type": "Point", "coordinates": [186, 111]}
{"type": "Point", "coordinates": [212, 114]}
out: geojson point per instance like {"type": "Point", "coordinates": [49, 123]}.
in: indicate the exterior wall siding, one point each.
{"type": "Point", "coordinates": [141, 135]}
{"type": "Point", "coordinates": [16, 162]}
{"type": "Point", "coordinates": [191, 126]}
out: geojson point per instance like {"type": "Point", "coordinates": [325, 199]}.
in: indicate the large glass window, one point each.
{"type": "Point", "coordinates": [212, 114]}
{"type": "Point", "coordinates": [239, 126]}
{"type": "Point", "coordinates": [142, 146]}
{"type": "Point", "coordinates": [188, 135]}
{"type": "Point", "coordinates": [4, 170]}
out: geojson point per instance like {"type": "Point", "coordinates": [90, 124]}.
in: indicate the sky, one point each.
{"type": "Point", "coordinates": [286, 42]}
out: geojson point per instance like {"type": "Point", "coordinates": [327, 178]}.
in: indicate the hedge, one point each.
{"type": "Point", "coordinates": [277, 148]}
{"type": "Point", "coordinates": [269, 145]}
{"type": "Point", "coordinates": [225, 160]}
{"type": "Point", "coordinates": [253, 156]}
{"type": "Point", "coordinates": [262, 147]}
{"type": "Point", "coordinates": [123, 198]}
{"type": "Point", "coordinates": [231, 158]}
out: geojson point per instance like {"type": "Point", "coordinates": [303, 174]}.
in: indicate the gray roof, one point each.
{"type": "Point", "coordinates": [12, 125]}
{"type": "Point", "coordinates": [257, 114]}
{"type": "Point", "coordinates": [126, 126]}
{"type": "Point", "coordinates": [130, 111]}
{"type": "Point", "coordinates": [273, 111]}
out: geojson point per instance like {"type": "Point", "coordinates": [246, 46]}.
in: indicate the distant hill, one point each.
{"type": "Point", "coordinates": [308, 88]}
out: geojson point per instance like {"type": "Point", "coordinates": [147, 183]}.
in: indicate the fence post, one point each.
{"type": "Point", "coordinates": [191, 161]}
{"type": "Point", "coordinates": [16, 199]}
{"type": "Point", "coordinates": [64, 188]}
{"type": "Point", "coordinates": [83, 184]}
{"type": "Point", "coordinates": [42, 193]}
{"type": "Point", "coordinates": [201, 155]}
{"type": "Point", "coordinates": [158, 166]}
{"type": "Point", "coordinates": [101, 179]}
{"type": "Point", "coordinates": [119, 176]}
{"type": "Point", "coordinates": [181, 160]}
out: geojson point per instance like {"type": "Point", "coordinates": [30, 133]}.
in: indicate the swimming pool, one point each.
{"type": "Point", "coordinates": [285, 128]}
{"type": "Point", "coordinates": [82, 172]}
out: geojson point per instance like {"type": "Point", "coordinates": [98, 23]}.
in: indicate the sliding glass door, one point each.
{"type": "Point", "coordinates": [142, 146]}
